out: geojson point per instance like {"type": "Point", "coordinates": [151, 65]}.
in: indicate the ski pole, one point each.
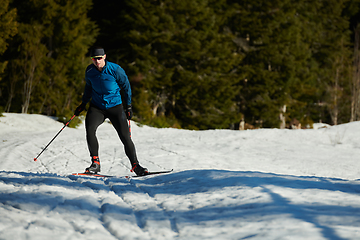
{"type": "Point", "coordinates": [35, 159]}
{"type": "Point", "coordinates": [129, 126]}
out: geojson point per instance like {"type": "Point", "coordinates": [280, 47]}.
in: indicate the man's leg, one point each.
{"type": "Point", "coordinates": [119, 121]}
{"type": "Point", "coordinates": [94, 118]}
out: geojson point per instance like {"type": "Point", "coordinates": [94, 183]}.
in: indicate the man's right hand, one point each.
{"type": "Point", "coordinates": [79, 109]}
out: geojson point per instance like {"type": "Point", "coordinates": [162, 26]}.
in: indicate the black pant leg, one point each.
{"type": "Point", "coordinates": [94, 118]}
{"type": "Point", "coordinates": [119, 121]}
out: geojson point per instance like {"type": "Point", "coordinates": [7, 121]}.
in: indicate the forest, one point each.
{"type": "Point", "coordinates": [192, 64]}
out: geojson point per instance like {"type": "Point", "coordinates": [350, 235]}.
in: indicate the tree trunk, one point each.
{"type": "Point", "coordinates": [282, 117]}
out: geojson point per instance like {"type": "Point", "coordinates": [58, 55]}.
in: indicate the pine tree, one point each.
{"type": "Point", "coordinates": [8, 25]}
{"type": "Point", "coordinates": [48, 55]}
{"type": "Point", "coordinates": [284, 53]}
{"type": "Point", "coordinates": [205, 63]}
{"type": "Point", "coordinates": [8, 28]}
{"type": "Point", "coordinates": [72, 35]}
{"type": "Point", "coordinates": [335, 59]}
{"type": "Point", "coordinates": [183, 60]}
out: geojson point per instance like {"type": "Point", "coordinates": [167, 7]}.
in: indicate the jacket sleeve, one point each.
{"type": "Point", "coordinates": [124, 84]}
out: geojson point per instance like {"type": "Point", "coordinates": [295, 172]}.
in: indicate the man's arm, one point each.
{"type": "Point", "coordinates": [124, 84]}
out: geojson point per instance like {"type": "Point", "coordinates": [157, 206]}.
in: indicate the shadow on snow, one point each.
{"type": "Point", "coordinates": [187, 183]}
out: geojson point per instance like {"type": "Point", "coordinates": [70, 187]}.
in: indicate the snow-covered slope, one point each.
{"type": "Point", "coordinates": [256, 184]}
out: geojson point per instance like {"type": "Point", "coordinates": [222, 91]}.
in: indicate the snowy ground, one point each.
{"type": "Point", "coordinates": [256, 184]}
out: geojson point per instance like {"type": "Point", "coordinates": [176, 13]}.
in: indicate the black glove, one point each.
{"type": "Point", "coordinates": [79, 109]}
{"type": "Point", "coordinates": [129, 112]}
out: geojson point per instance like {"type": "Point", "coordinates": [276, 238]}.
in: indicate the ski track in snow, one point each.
{"type": "Point", "coordinates": [149, 216]}
{"type": "Point", "coordinates": [260, 184]}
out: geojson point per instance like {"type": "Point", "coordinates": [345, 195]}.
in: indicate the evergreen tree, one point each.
{"type": "Point", "coordinates": [8, 28]}
{"type": "Point", "coordinates": [291, 59]}
{"type": "Point", "coordinates": [72, 35]}
{"type": "Point", "coordinates": [335, 58]}
{"type": "Point", "coordinates": [287, 44]}
{"type": "Point", "coordinates": [183, 60]}
{"type": "Point", "coordinates": [48, 55]}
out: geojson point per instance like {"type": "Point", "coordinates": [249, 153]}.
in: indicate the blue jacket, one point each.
{"type": "Point", "coordinates": [103, 88]}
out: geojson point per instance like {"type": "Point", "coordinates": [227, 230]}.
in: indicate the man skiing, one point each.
{"type": "Point", "coordinates": [104, 80]}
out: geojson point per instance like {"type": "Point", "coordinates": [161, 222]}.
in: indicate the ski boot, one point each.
{"type": "Point", "coordinates": [95, 165]}
{"type": "Point", "coordinates": [139, 170]}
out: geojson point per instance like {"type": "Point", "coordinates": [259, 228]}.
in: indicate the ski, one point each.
{"type": "Point", "coordinates": [151, 173]}
{"type": "Point", "coordinates": [91, 174]}
{"type": "Point", "coordinates": [110, 176]}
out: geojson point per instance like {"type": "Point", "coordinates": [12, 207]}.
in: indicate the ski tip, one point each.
{"type": "Point", "coordinates": [35, 159]}
{"type": "Point", "coordinates": [92, 175]}
{"type": "Point", "coordinates": [154, 173]}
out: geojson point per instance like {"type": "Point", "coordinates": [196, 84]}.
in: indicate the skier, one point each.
{"type": "Point", "coordinates": [104, 80]}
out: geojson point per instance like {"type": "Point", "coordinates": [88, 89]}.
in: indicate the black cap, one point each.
{"type": "Point", "coordinates": [97, 52]}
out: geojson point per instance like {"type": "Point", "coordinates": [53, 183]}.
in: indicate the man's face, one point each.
{"type": "Point", "coordinates": [99, 62]}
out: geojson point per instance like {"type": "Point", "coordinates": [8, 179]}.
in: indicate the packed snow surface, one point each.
{"type": "Point", "coordinates": [255, 184]}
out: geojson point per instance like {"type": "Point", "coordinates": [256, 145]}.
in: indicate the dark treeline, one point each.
{"type": "Point", "coordinates": [196, 64]}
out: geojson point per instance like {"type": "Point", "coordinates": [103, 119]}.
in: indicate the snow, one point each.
{"type": "Point", "coordinates": [254, 184]}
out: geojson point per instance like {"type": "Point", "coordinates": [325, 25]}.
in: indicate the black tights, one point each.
{"type": "Point", "coordinates": [95, 117]}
